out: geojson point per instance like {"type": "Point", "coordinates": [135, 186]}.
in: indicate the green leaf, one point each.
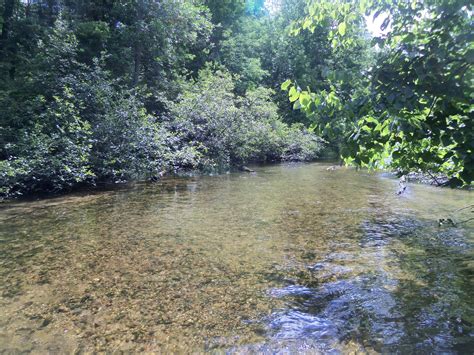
{"type": "Point", "coordinates": [342, 28]}
{"type": "Point", "coordinates": [304, 99]}
{"type": "Point", "coordinates": [294, 94]}
{"type": "Point", "coordinates": [307, 22]}
{"type": "Point", "coordinates": [370, 119]}
{"type": "Point", "coordinates": [285, 85]}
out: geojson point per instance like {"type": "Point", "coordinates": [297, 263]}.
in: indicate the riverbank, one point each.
{"type": "Point", "coordinates": [428, 178]}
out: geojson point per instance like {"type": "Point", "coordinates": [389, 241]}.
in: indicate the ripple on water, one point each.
{"type": "Point", "coordinates": [370, 297]}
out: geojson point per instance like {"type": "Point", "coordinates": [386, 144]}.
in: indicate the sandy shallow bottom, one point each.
{"type": "Point", "coordinates": [294, 258]}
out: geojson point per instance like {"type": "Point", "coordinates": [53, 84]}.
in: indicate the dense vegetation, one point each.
{"type": "Point", "coordinates": [411, 107]}
{"type": "Point", "coordinates": [114, 90]}
{"type": "Point", "coordinates": [117, 90]}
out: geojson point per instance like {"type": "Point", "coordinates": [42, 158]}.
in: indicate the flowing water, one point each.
{"type": "Point", "coordinates": [293, 258]}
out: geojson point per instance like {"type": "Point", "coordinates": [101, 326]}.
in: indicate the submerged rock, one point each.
{"type": "Point", "coordinates": [246, 169]}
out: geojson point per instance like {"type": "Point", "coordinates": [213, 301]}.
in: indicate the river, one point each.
{"type": "Point", "coordinates": [293, 258]}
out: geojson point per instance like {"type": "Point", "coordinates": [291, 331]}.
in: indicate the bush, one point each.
{"type": "Point", "coordinates": [52, 155]}
{"type": "Point", "coordinates": [301, 145]}
{"type": "Point", "coordinates": [227, 129]}
{"type": "Point", "coordinates": [127, 142]}
{"type": "Point", "coordinates": [88, 129]}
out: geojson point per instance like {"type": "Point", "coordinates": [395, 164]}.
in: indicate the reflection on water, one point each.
{"type": "Point", "coordinates": [293, 258]}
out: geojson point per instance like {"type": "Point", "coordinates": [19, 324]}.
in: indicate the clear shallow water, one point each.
{"type": "Point", "coordinates": [293, 258]}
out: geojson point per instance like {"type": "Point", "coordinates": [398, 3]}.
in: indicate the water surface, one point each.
{"type": "Point", "coordinates": [293, 258]}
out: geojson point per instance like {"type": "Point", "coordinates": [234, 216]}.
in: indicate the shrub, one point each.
{"type": "Point", "coordinates": [127, 142]}
{"type": "Point", "coordinates": [301, 145]}
{"type": "Point", "coordinates": [88, 129]}
{"type": "Point", "coordinates": [50, 156]}
{"type": "Point", "coordinates": [226, 129]}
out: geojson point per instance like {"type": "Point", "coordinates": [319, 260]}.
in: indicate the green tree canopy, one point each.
{"type": "Point", "coordinates": [412, 108]}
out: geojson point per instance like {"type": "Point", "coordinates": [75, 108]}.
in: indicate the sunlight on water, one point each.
{"type": "Point", "coordinates": [293, 258]}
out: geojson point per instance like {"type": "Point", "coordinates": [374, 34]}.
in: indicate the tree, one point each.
{"type": "Point", "coordinates": [114, 90]}
{"type": "Point", "coordinates": [413, 110]}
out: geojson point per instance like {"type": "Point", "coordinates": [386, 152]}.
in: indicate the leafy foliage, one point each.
{"type": "Point", "coordinates": [412, 109]}
{"type": "Point", "coordinates": [117, 90]}
{"type": "Point", "coordinates": [52, 155]}
{"type": "Point", "coordinates": [74, 128]}
{"type": "Point", "coordinates": [111, 92]}
{"type": "Point", "coordinates": [228, 129]}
